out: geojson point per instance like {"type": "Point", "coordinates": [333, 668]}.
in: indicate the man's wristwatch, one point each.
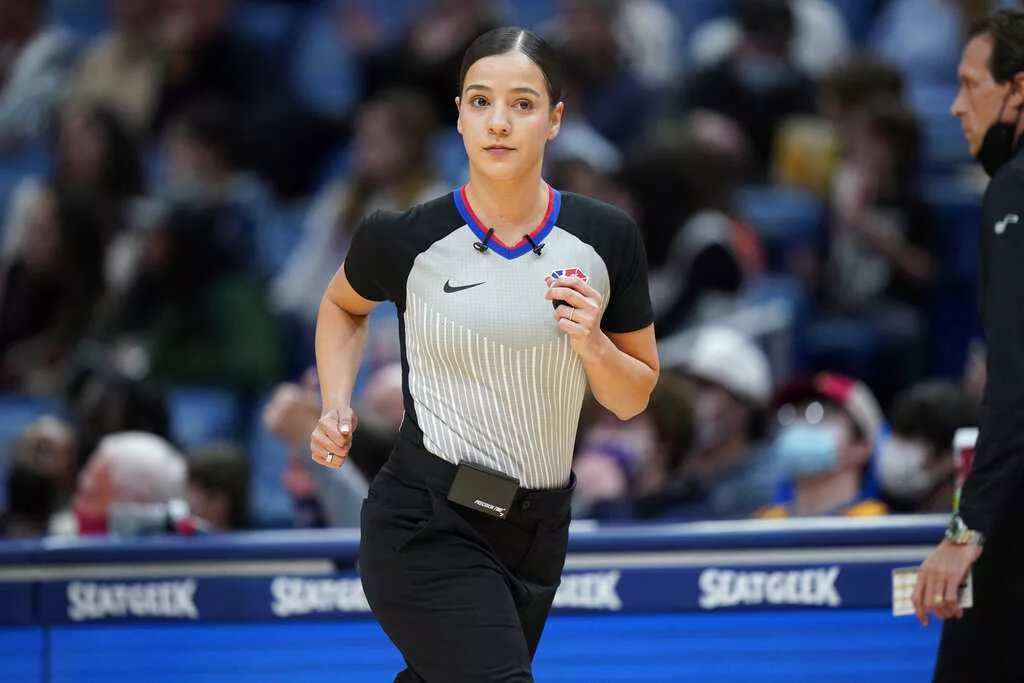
{"type": "Point", "coordinates": [957, 533]}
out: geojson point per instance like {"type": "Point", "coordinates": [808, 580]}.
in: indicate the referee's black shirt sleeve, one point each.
{"type": "Point", "coordinates": [997, 474]}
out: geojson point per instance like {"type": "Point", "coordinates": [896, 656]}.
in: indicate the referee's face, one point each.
{"type": "Point", "coordinates": [506, 117]}
{"type": "Point", "coordinates": [980, 100]}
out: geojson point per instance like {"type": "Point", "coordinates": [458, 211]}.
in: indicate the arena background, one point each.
{"type": "Point", "coordinates": [179, 179]}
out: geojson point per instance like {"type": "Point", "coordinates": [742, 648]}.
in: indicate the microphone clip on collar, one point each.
{"type": "Point", "coordinates": [481, 246]}
{"type": "Point", "coordinates": [536, 248]}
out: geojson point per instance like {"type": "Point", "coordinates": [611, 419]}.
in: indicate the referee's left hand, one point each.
{"type": "Point", "coordinates": [581, 318]}
{"type": "Point", "coordinates": [332, 438]}
{"type": "Point", "coordinates": [939, 580]}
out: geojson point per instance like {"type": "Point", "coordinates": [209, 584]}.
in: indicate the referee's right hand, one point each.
{"type": "Point", "coordinates": [333, 437]}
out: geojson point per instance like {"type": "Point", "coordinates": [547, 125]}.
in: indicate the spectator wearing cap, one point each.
{"type": "Point", "coordinates": [915, 467]}
{"type": "Point", "coordinates": [828, 429]}
{"type": "Point", "coordinates": [727, 472]}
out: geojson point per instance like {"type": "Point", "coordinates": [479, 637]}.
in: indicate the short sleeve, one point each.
{"type": "Point", "coordinates": [629, 306]}
{"type": "Point", "coordinates": [368, 265]}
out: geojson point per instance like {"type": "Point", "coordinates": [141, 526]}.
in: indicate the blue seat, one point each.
{"type": "Point", "coordinates": [954, 311]}
{"type": "Point", "coordinates": [859, 16]}
{"type": "Point", "coordinates": [693, 13]}
{"type": "Point", "coordinates": [932, 98]}
{"type": "Point", "coordinates": [790, 290]}
{"type": "Point", "coordinates": [394, 16]}
{"type": "Point", "coordinates": [786, 219]}
{"type": "Point", "coordinates": [271, 24]}
{"type": "Point", "coordinates": [955, 322]}
{"type": "Point", "coordinates": [322, 70]}
{"type": "Point", "coordinates": [270, 506]}
{"type": "Point", "coordinates": [943, 145]}
{"type": "Point", "coordinates": [844, 346]}
{"type": "Point", "coordinates": [87, 18]}
{"type": "Point", "coordinates": [279, 235]}
{"type": "Point", "coordinates": [16, 413]}
{"type": "Point", "coordinates": [201, 415]}
{"type": "Point", "coordinates": [449, 155]}
{"type": "Point", "coordinates": [957, 209]}
{"type": "Point", "coordinates": [531, 13]}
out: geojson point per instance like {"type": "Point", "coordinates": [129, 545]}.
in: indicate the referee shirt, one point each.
{"type": "Point", "coordinates": [489, 378]}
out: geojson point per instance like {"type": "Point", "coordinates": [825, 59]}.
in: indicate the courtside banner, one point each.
{"type": "Point", "coordinates": [623, 589]}
{"type": "Point", "coordinates": [16, 608]}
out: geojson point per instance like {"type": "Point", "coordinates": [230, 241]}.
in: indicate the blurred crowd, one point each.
{"type": "Point", "coordinates": [179, 179]}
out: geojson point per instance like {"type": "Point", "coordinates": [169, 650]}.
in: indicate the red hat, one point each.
{"type": "Point", "coordinates": [850, 394]}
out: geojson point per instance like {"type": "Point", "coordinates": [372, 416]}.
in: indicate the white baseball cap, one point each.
{"type": "Point", "coordinates": [722, 356]}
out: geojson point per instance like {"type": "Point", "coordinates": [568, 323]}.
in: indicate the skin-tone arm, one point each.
{"type": "Point", "coordinates": [622, 368]}
{"type": "Point", "coordinates": [341, 332]}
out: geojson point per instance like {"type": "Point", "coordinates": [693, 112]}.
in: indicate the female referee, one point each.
{"type": "Point", "coordinates": [512, 297]}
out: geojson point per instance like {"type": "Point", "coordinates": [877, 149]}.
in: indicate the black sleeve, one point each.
{"type": "Point", "coordinates": [629, 306]}
{"type": "Point", "coordinates": [998, 470]}
{"type": "Point", "coordinates": [369, 263]}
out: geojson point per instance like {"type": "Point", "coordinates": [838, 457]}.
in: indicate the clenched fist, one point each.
{"type": "Point", "coordinates": [332, 437]}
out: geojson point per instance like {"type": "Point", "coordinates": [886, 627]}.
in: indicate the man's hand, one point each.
{"type": "Point", "coordinates": [940, 578]}
{"type": "Point", "coordinates": [292, 413]}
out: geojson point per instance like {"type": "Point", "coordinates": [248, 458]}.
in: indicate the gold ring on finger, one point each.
{"type": "Point", "coordinates": [328, 457]}
{"type": "Point", "coordinates": [938, 599]}
{"type": "Point", "coordinates": [572, 312]}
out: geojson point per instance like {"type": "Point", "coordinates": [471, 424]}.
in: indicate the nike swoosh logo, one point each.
{"type": "Point", "coordinates": [448, 288]}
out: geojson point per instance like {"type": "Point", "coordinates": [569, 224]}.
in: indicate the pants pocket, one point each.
{"type": "Point", "coordinates": [394, 515]}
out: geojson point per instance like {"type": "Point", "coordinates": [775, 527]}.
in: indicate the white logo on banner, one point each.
{"type": "Point", "coordinates": [165, 599]}
{"type": "Point", "coordinates": [309, 596]}
{"type": "Point", "coordinates": [726, 588]}
{"type": "Point", "coordinates": [594, 590]}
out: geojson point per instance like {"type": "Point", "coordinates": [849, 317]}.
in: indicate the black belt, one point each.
{"type": "Point", "coordinates": [490, 492]}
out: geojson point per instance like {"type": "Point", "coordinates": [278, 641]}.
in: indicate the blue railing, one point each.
{"type": "Point", "coordinates": [776, 601]}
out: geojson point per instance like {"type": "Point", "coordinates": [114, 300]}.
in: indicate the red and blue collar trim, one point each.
{"type": "Point", "coordinates": [494, 244]}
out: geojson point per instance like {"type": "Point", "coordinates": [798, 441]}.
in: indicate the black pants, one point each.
{"type": "Point", "coordinates": [462, 595]}
{"type": "Point", "coordinates": [987, 644]}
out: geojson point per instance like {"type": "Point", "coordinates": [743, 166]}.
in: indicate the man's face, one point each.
{"type": "Point", "coordinates": [980, 99]}
{"type": "Point", "coordinates": [95, 493]}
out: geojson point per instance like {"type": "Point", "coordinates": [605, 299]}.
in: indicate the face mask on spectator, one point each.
{"type": "Point", "coordinates": [903, 469]}
{"type": "Point", "coordinates": [808, 450]}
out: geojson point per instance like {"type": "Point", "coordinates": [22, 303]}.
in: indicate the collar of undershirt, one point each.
{"type": "Point", "coordinates": [521, 247]}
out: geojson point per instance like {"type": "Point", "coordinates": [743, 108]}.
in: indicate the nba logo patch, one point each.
{"type": "Point", "coordinates": [570, 272]}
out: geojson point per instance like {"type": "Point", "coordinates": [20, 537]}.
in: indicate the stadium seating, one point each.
{"type": "Point", "coordinates": [202, 415]}
{"type": "Point", "coordinates": [786, 219]}
{"type": "Point", "coordinates": [269, 504]}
